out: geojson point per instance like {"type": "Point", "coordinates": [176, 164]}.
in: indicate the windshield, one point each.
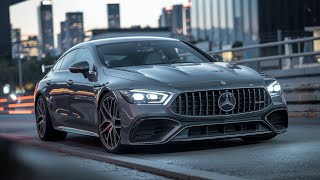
{"type": "Point", "coordinates": [148, 53]}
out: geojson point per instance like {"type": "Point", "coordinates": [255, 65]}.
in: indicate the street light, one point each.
{"type": "Point", "coordinates": [20, 70]}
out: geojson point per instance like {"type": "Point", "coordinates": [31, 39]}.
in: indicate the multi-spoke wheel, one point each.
{"type": "Point", "coordinates": [44, 125]}
{"type": "Point", "coordinates": [110, 124]}
{"type": "Point", "coordinates": [41, 118]}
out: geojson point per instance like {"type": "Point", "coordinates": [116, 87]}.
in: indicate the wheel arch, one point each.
{"type": "Point", "coordinates": [38, 94]}
{"type": "Point", "coordinates": [102, 93]}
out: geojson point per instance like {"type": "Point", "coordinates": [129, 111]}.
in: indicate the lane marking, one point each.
{"type": "Point", "coordinates": [25, 97]}
{"type": "Point", "coordinates": [20, 111]}
{"type": "Point", "coordinates": [21, 105]}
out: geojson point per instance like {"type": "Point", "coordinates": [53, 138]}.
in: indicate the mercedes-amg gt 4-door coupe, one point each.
{"type": "Point", "coordinates": [151, 90]}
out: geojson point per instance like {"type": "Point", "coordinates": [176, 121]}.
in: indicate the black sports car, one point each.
{"type": "Point", "coordinates": [149, 90]}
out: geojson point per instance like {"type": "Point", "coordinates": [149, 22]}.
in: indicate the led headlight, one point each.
{"type": "Point", "coordinates": [144, 96]}
{"type": "Point", "coordinates": [274, 88]}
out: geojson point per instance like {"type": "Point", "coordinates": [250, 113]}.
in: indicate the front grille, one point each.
{"type": "Point", "coordinates": [205, 103]}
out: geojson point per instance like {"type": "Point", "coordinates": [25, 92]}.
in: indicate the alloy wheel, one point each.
{"type": "Point", "coordinates": [110, 126]}
{"type": "Point", "coordinates": [41, 117]}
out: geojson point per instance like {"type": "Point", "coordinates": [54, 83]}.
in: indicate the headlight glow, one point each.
{"type": "Point", "coordinates": [274, 88]}
{"type": "Point", "coordinates": [137, 96]}
{"type": "Point", "coordinates": [144, 96]}
{"type": "Point", "coordinates": [13, 97]}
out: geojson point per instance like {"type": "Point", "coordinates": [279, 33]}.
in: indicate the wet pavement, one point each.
{"type": "Point", "coordinates": [292, 155]}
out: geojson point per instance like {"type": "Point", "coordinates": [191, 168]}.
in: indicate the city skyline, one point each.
{"type": "Point", "coordinates": [94, 13]}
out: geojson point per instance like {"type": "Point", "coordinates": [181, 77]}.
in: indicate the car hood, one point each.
{"type": "Point", "coordinates": [194, 74]}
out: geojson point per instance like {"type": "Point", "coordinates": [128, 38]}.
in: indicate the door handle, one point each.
{"type": "Point", "coordinates": [69, 82]}
{"type": "Point", "coordinates": [48, 82]}
{"type": "Point", "coordinates": [97, 85]}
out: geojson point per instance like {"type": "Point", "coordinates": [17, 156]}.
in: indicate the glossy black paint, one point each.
{"type": "Point", "coordinates": [73, 94]}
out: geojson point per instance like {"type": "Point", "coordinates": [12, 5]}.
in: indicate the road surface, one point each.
{"type": "Point", "coordinates": [292, 155]}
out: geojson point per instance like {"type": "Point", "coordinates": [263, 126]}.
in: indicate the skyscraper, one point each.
{"type": "Point", "coordinates": [177, 18]}
{"type": "Point", "coordinates": [30, 48]}
{"type": "Point", "coordinates": [187, 20]}
{"type": "Point", "coordinates": [16, 43]}
{"type": "Point", "coordinates": [46, 27]}
{"type": "Point", "coordinates": [72, 31]}
{"type": "Point", "coordinates": [113, 13]}
{"type": "Point", "coordinates": [224, 22]}
{"type": "Point", "coordinates": [166, 17]}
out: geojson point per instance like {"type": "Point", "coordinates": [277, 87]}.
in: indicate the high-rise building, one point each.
{"type": "Point", "coordinates": [165, 19]}
{"type": "Point", "coordinates": [177, 18]}
{"type": "Point", "coordinates": [187, 20]}
{"type": "Point", "coordinates": [30, 48]}
{"type": "Point", "coordinates": [62, 41]}
{"type": "Point", "coordinates": [113, 13]}
{"type": "Point", "coordinates": [16, 43]}
{"type": "Point", "coordinates": [72, 31]}
{"type": "Point", "coordinates": [224, 22]}
{"type": "Point", "coordinates": [46, 28]}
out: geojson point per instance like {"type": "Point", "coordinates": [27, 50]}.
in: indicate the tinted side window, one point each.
{"type": "Point", "coordinates": [85, 55]}
{"type": "Point", "coordinates": [68, 60]}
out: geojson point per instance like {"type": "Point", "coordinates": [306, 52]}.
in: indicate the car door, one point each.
{"type": "Point", "coordinates": [55, 91]}
{"type": "Point", "coordinates": [82, 99]}
{"type": "Point", "coordinates": [61, 106]}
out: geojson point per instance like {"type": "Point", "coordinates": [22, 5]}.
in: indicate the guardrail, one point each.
{"type": "Point", "coordinates": [287, 55]}
{"type": "Point", "coordinates": [17, 105]}
{"type": "Point", "coordinates": [270, 44]}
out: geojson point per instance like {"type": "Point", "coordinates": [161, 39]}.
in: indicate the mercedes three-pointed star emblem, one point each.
{"type": "Point", "coordinates": [226, 102]}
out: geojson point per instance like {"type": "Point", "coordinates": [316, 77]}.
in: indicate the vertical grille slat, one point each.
{"type": "Point", "coordinates": [200, 103]}
{"type": "Point", "coordinates": [249, 100]}
{"type": "Point", "coordinates": [187, 105]}
{"type": "Point", "coordinates": [207, 104]}
{"type": "Point", "coordinates": [220, 111]}
{"type": "Point", "coordinates": [259, 98]}
{"type": "Point", "coordinates": [213, 103]}
{"type": "Point", "coordinates": [238, 100]}
{"type": "Point", "coordinates": [193, 105]}
{"type": "Point", "coordinates": [244, 101]}
{"type": "Point", "coordinates": [254, 99]}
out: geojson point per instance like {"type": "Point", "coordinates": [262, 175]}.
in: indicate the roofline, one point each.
{"type": "Point", "coordinates": [129, 39]}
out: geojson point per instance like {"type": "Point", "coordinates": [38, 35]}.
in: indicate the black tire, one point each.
{"type": "Point", "coordinates": [258, 138]}
{"type": "Point", "coordinates": [110, 124]}
{"type": "Point", "coordinates": [44, 125]}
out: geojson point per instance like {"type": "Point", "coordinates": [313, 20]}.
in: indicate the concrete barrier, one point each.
{"type": "Point", "coordinates": [301, 89]}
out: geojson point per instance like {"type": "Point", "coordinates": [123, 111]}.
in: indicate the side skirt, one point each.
{"type": "Point", "coordinates": [76, 131]}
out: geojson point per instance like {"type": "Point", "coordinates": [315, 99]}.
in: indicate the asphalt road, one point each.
{"type": "Point", "coordinates": [292, 155]}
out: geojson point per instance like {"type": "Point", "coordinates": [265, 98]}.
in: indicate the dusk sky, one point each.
{"type": "Point", "coordinates": [133, 12]}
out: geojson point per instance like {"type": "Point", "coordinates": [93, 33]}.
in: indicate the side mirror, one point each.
{"type": "Point", "coordinates": [44, 67]}
{"type": "Point", "coordinates": [80, 67]}
{"type": "Point", "coordinates": [217, 57]}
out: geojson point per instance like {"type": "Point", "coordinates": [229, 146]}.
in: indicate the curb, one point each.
{"type": "Point", "coordinates": [158, 168]}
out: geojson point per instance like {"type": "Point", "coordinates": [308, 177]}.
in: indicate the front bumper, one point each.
{"type": "Point", "coordinates": [157, 124]}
